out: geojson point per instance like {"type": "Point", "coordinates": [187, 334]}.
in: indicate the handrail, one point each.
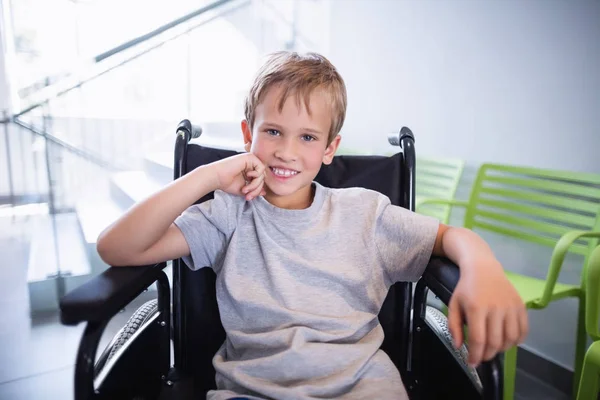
{"type": "Point", "coordinates": [158, 31]}
{"type": "Point", "coordinates": [68, 147]}
{"type": "Point", "coordinates": [95, 70]}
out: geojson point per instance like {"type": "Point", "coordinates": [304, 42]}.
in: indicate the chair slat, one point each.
{"type": "Point", "coordinates": [435, 181]}
{"type": "Point", "coordinates": [520, 222]}
{"type": "Point", "coordinates": [568, 218]}
{"type": "Point", "coordinates": [586, 206]}
{"type": "Point", "coordinates": [581, 177]}
{"type": "Point", "coordinates": [572, 189]}
{"type": "Point", "coordinates": [444, 163]}
{"type": "Point", "coordinates": [433, 192]}
{"type": "Point", "coordinates": [575, 248]}
{"type": "Point", "coordinates": [448, 174]}
{"type": "Point", "coordinates": [437, 178]}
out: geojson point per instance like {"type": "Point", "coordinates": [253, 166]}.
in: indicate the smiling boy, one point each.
{"type": "Point", "coordinates": [299, 304]}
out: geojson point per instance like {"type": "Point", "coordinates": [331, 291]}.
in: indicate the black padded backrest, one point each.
{"type": "Point", "coordinates": [204, 333]}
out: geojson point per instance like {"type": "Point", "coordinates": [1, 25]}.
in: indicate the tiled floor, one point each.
{"type": "Point", "coordinates": [37, 354]}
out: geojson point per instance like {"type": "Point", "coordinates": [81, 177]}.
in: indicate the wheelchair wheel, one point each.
{"type": "Point", "coordinates": [438, 323]}
{"type": "Point", "coordinates": [137, 320]}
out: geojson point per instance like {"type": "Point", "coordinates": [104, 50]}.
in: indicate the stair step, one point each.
{"type": "Point", "coordinates": [128, 188]}
{"type": "Point", "coordinates": [71, 258]}
{"type": "Point", "coordinates": [159, 167]}
{"type": "Point", "coordinates": [95, 216]}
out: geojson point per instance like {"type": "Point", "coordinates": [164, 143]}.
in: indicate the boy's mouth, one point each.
{"type": "Point", "coordinates": [283, 172]}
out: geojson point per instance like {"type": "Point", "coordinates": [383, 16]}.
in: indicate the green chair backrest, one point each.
{"type": "Point", "coordinates": [536, 205]}
{"type": "Point", "coordinates": [437, 178]}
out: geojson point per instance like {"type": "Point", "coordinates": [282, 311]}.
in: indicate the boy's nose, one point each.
{"type": "Point", "coordinates": [286, 151]}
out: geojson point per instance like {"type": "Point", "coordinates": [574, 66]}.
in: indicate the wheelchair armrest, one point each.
{"type": "Point", "coordinates": [103, 296]}
{"type": "Point", "coordinates": [441, 277]}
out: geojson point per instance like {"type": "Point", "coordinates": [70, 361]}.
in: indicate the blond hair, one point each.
{"type": "Point", "coordinates": [299, 75]}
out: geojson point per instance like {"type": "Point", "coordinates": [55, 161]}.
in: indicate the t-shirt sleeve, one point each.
{"type": "Point", "coordinates": [207, 230]}
{"type": "Point", "coordinates": [405, 241]}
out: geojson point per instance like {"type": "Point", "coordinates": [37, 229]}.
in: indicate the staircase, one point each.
{"type": "Point", "coordinates": [130, 187]}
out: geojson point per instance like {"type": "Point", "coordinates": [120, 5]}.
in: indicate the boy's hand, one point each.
{"type": "Point", "coordinates": [492, 309]}
{"type": "Point", "coordinates": [242, 175]}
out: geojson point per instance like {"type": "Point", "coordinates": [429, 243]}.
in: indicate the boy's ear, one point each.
{"type": "Point", "coordinates": [247, 132]}
{"type": "Point", "coordinates": [331, 149]}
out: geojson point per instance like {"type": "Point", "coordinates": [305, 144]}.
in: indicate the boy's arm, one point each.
{"type": "Point", "coordinates": [146, 234]}
{"type": "Point", "coordinates": [484, 298]}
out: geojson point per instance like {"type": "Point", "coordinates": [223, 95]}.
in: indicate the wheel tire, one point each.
{"type": "Point", "coordinates": [438, 322]}
{"type": "Point", "coordinates": [135, 322]}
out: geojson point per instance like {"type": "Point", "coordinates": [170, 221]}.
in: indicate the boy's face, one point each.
{"type": "Point", "coordinates": [292, 144]}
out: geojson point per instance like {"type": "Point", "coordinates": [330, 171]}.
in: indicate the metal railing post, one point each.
{"type": "Point", "coordinates": [11, 186]}
{"type": "Point", "coordinates": [60, 283]}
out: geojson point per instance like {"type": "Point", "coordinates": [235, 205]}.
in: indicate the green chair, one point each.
{"type": "Point", "coordinates": [554, 208]}
{"type": "Point", "coordinates": [437, 178]}
{"type": "Point", "coordinates": [588, 384]}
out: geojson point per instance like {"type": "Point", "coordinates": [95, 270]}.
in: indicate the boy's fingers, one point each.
{"type": "Point", "coordinates": [476, 322]}
{"type": "Point", "coordinates": [256, 165]}
{"type": "Point", "coordinates": [523, 325]}
{"type": "Point", "coordinates": [252, 174]}
{"type": "Point", "coordinates": [455, 324]}
{"type": "Point", "coordinates": [256, 192]}
{"type": "Point", "coordinates": [495, 334]}
{"type": "Point", "coordinates": [254, 183]}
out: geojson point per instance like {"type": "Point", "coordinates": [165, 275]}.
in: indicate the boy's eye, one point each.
{"type": "Point", "coordinates": [308, 138]}
{"type": "Point", "coordinates": [273, 132]}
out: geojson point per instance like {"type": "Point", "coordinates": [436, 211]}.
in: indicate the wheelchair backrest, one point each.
{"type": "Point", "coordinates": [201, 331]}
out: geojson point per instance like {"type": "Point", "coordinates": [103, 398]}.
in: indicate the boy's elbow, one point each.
{"type": "Point", "coordinates": [109, 253]}
{"type": "Point", "coordinates": [103, 250]}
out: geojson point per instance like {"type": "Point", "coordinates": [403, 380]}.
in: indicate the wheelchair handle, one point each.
{"type": "Point", "coordinates": [188, 130]}
{"type": "Point", "coordinates": [196, 131]}
{"type": "Point", "coordinates": [395, 139]}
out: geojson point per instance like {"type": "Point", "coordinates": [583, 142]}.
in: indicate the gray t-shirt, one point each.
{"type": "Point", "coordinates": [299, 291]}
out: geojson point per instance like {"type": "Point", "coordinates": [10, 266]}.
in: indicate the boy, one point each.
{"type": "Point", "coordinates": [302, 270]}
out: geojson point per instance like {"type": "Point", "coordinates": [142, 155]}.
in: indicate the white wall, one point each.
{"type": "Point", "coordinates": [506, 81]}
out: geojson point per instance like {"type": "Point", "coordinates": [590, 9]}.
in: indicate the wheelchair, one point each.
{"type": "Point", "coordinates": [140, 364]}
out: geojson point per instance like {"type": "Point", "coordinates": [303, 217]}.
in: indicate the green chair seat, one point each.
{"type": "Point", "coordinates": [530, 289]}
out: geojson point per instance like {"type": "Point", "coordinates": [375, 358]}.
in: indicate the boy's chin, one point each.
{"type": "Point", "coordinates": [282, 190]}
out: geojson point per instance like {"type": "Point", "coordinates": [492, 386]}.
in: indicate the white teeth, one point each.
{"type": "Point", "coordinates": [283, 172]}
